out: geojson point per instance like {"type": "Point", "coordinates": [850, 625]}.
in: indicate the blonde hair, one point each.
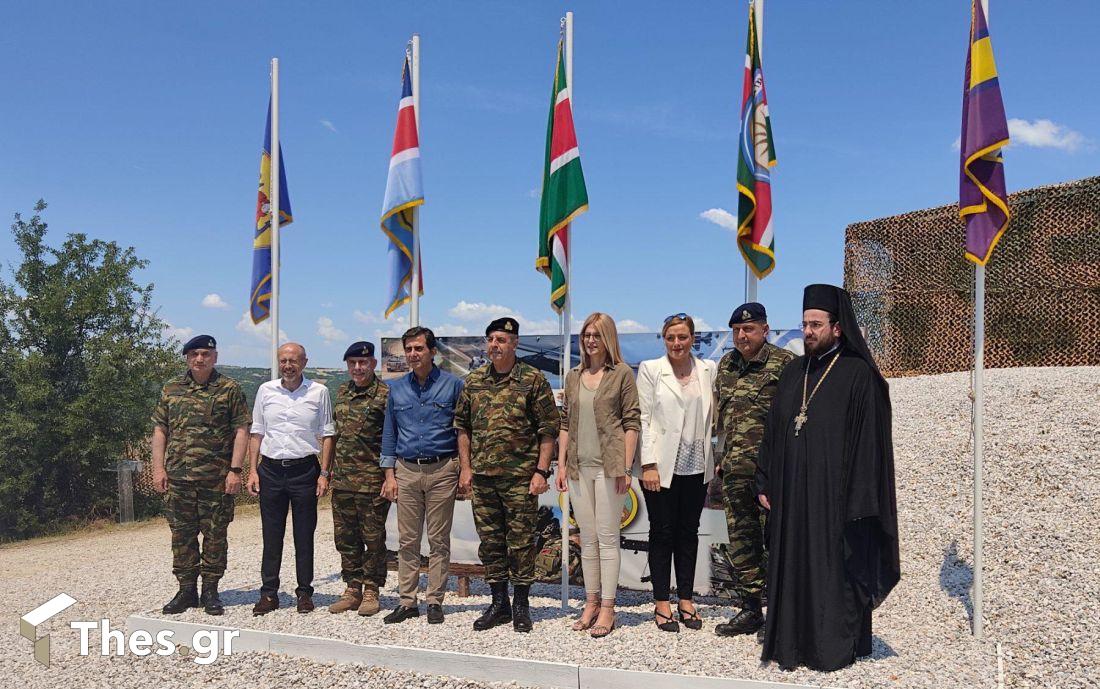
{"type": "Point", "coordinates": [604, 325]}
{"type": "Point", "coordinates": [676, 320]}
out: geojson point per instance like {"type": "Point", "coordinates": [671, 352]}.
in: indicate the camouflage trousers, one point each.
{"type": "Point", "coordinates": [359, 529]}
{"type": "Point", "coordinates": [195, 508]}
{"type": "Point", "coordinates": [506, 518]}
{"type": "Point", "coordinates": [745, 553]}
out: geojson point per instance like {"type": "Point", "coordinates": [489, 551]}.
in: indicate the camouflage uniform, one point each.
{"type": "Point", "coordinates": [745, 391]}
{"type": "Point", "coordinates": [358, 509]}
{"type": "Point", "coordinates": [200, 422]}
{"type": "Point", "coordinates": [505, 419]}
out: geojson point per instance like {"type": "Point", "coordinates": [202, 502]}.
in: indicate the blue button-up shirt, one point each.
{"type": "Point", "coordinates": [420, 420]}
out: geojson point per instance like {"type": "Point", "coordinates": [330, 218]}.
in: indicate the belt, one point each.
{"type": "Point", "coordinates": [290, 462]}
{"type": "Point", "coordinates": [427, 460]}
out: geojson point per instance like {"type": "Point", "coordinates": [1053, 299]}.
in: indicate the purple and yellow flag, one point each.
{"type": "Point", "coordinates": [983, 199]}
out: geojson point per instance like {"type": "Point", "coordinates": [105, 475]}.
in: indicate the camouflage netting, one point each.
{"type": "Point", "coordinates": [914, 292]}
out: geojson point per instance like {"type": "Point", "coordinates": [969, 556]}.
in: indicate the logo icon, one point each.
{"type": "Point", "coordinates": [28, 624]}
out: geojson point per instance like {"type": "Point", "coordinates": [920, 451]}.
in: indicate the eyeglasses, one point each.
{"type": "Point", "coordinates": [681, 316]}
{"type": "Point", "coordinates": [591, 336]}
{"type": "Point", "coordinates": [815, 325]}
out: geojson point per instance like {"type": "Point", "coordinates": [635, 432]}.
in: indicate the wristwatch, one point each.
{"type": "Point", "coordinates": [544, 472]}
{"type": "Point", "coordinates": [326, 474]}
{"type": "Point", "coordinates": [236, 470]}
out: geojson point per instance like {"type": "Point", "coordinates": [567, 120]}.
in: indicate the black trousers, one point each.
{"type": "Point", "coordinates": [288, 489]}
{"type": "Point", "coordinates": [674, 534]}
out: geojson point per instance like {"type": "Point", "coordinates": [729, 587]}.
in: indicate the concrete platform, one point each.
{"type": "Point", "coordinates": [463, 665]}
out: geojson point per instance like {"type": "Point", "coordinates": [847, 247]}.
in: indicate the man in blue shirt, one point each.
{"type": "Point", "coordinates": [423, 472]}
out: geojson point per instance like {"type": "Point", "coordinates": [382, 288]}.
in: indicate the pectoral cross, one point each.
{"type": "Point", "coordinates": [799, 421]}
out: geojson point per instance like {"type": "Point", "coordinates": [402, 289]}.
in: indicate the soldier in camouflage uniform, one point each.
{"type": "Point", "coordinates": [200, 434]}
{"type": "Point", "coordinates": [746, 382]}
{"type": "Point", "coordinates": [358, 509]}
{"type": "Point", "coordinates": [507, 422]}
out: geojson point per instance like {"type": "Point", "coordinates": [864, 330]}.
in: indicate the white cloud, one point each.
{"type": "Point", "coordinates": [701, 325]}
{"type": "Point", "coordinates": [328, 330]}
{"type": "Point", "coordinates": [957, 143]}
{"type": "Point", "coordinates": [327, 124]}
{"type": "Point", "coordinates": [482, 313]}
{"type": "Point", "coordinates": [326, 305]}
{"type": "Point", "coordinates": [261, 331]}
{"type": "Point", "coordinates": [630, 326]}
{"type": "Point", "coordinates": [385, 327]}
{"type": "Point", "coordinates": [452, 330]}
{"type": "Point", "coordinates": [720, 217]}
{"type": "Point", "coordinates": [1045, 134]}
{"type": "Point", "coordinates": [181, 334]}
{"type": "Point", "coordinates": [214, 301]}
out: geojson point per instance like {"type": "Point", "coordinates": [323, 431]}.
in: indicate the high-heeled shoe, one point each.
{"type": "Point", "coordinates": [690, 618]}
{"type": "Point", "coordinates": [601, 630]}
{"type": "Point", "coordinates": [582, 624]}
{"type": "Point", "coordinates": [669, 626]}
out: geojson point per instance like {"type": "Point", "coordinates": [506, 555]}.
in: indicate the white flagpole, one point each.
{"type": "Point", "coordinates": [751, 283]}
{"type": "Point", "coordinates": [275, 179]}
{"type": "Point", "coordinates": [566, 328]}
{"type": "Point", "coordinates": [979, 402]}
{"type": "Point", "coordinates": [414, 288]}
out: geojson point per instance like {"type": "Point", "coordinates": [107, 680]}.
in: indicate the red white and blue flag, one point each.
{"type": "Point", "coordinates": [404, 194]}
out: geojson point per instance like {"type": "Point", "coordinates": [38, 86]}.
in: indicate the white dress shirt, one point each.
{"type": "Point", "coordinates": [292, 423]}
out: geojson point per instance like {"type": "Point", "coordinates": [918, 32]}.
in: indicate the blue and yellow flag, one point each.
{"type": "Point", "coordinates": [260, 297]}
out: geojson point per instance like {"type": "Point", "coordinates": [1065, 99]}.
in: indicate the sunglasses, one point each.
{"type": "Point", "coordinates": [681, 316]}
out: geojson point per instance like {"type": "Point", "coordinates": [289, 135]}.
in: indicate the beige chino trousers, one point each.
{"type": "Point", "coordinates": [425, 495]}
{"type": "Point", "coordinates": [598, 510]}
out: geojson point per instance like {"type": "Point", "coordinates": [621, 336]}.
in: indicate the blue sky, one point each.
{"type": "Point", "coordinates": [142, 122]}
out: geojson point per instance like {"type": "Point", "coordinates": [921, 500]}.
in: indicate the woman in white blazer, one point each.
{"type": "Point", "coordinates": [676, 397]}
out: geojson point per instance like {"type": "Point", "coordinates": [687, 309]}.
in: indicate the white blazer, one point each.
{"type": "Point", "coordinates": [662, 404]}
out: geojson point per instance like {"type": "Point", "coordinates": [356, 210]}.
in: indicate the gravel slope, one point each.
{"type": "Point", "coordinates": [1042, 574]}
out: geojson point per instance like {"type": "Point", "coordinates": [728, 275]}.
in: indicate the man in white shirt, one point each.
{"type": "Point", "coordinates": [291, 448]}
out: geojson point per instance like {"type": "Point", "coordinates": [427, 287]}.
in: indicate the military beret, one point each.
{"type": "Point", "coordinates": [747, 313]}
{"type": "Point", "coordinates": [359, 349]}
{"type": "Point", "coordinates": [200, 342]}
{"type": "Point", "coordinates": [506, 324]}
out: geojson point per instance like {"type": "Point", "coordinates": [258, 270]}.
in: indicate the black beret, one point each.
{"type": "Point", "coordinates": [359, 349]}
{"type": "Point", "coordinates": [748, 313]}
{"type": "Point", "coordinates": [506, 324]}
{"type": "Point", "coordinates": [200, 342]}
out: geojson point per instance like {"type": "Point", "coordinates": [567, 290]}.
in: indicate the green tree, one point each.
{"type": "Point", "coordinates": [82, 356]}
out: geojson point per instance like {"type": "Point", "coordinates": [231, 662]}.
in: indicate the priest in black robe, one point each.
{"type": "Point", "coordinates": [826, 474]}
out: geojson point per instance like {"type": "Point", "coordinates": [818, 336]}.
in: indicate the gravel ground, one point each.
{"type": "Point", "coordinates": [1042, 574]}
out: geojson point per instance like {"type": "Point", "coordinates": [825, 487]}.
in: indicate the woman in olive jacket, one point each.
{"type": "Point", "coordinates": [596, 447]}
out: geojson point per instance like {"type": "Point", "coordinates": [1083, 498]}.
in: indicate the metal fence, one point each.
{"type": "Point", "coordinates": [914, 292]}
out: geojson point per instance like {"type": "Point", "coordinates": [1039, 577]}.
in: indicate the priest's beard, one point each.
{"type": "Point", "coordinates": [816, 345]}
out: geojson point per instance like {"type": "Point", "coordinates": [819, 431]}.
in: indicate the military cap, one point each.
{"type": "Point", "coordinates": [507, 324]}
{"type": "Point", "coordinates": [360, 348]}
{"type": "Point", "coordinates": [747, 313]}
{"type": "Point", "coordinates": [200, 342]}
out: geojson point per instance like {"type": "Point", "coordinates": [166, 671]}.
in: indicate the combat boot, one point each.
{"type": "Point", "coordinates": [186, 597]}
{"type": "Point", "coordinates": [350, 600]}
{"type": "Point", "coordinates": [747, 621]}
{"type": "Point", "coordinates": [370, 605]}
{"type": "Point", "coordinates": [499, 611]}
{"type": "Point", "coordinates": [211, 601]}
{"type": "Point", "coordinates": [521, 609]}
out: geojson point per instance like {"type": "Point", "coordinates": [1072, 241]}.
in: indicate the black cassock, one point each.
{"type": "Point", "coordinates": [832, 529]}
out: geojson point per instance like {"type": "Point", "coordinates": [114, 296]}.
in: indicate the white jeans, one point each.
{"type": "Point", "coordinates": [598, 510]}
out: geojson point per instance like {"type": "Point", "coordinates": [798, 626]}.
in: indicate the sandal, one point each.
{"type": "Point", "coordinates": [669, 626]}
{"type": "Point", "coordinates": [601, 630]}
{"type": "Point", "coordinates": [690, 618]}
{"type": "Point", "coordinates": [582, 624]}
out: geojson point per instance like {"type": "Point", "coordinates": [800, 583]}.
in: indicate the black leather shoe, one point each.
{"type": "Point", "coordinates": [211, 601]}
{"type": "Point", "coordinates": [186, 597]}
{"type": "Point", "coordinates": [521, 609]}
{"type": "Point", "coordinates": [748, 621]}
{"type": "Point", "coordinates": [435, 613]}
{"type": "Point", "coordinates": [498, 612]}
{"type": "Point", "coordinates": [400, 614]}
